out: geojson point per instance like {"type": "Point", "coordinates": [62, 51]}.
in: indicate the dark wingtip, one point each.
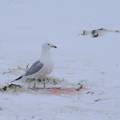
{"type": "Point", "coordinates": [16, 79]}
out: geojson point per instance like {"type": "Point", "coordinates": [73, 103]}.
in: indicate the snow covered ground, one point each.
{"type": "Point", "coordinates": [26, 24]}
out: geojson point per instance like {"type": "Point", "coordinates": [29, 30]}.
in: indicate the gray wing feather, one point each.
{"type": "Point", "coordinates": [34, 68]}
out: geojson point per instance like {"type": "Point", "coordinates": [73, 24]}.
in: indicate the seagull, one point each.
{"type": "Point", "coordinates": [41, 68]}
{"type": "Point", "coordinates": [97, 32]}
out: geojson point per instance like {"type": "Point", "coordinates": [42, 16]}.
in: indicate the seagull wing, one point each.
{"type": "Point", "coordinates": [37, 66]}
{"type": "Point", "coordinates": [32, 70]}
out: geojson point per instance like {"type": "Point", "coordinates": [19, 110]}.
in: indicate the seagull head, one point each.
{"type": "Point", "coordinates": [45, 52]}
{"type": "Point", "coordinates": [84, 32]}
{"type": "Point", "coordinates": [49, 45]}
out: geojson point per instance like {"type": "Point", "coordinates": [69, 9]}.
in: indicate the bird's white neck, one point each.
{"type": "Point", "coordinates": [45, 54]}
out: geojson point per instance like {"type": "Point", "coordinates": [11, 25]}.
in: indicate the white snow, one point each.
{"type": "Point", "coordinates": [26, 24]}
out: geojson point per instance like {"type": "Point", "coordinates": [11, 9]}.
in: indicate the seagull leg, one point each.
{"type": "Point", "coordinates": [44, 83]}
{"type": "Point", "coordinates": [34, 85]}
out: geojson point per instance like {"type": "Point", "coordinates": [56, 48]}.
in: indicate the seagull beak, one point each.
{"type": "Point", "coordinates": [53, 46]}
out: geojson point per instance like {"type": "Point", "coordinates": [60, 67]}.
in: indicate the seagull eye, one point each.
{"type": "Point", "coordinates": [48, 44]}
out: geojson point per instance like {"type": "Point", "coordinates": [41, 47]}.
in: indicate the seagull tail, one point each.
{"type": "Point", "coordinates": [17, 79]}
